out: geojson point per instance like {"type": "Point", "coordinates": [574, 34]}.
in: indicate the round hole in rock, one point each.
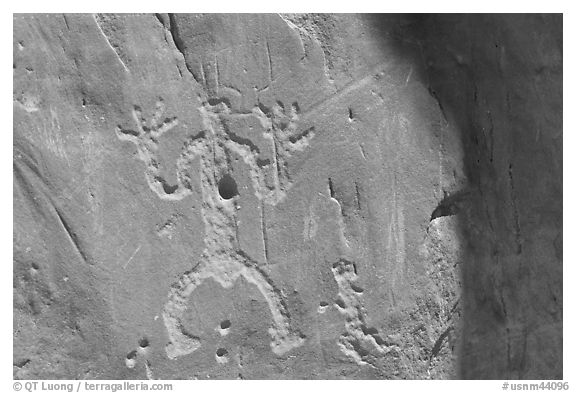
{"type": "Point", "coordinates": [143, 342]}
{"type": "Point", "coordinates": [227, 187]}
{"type": "Point", "coordinates": [221, 352]}
{"type": "Point", "coordinates": [225, 324]}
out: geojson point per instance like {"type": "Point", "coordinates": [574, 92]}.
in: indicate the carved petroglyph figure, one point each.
{"type": "Point", "coordinates": [361, 343]}
{"type": "Point", "coordinates": [222, 260]}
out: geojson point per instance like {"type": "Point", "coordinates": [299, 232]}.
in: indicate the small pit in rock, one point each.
{"type": "Point", "coordinates": [322, 307]}
{"type": "Point", "coordinates": [131, 359]}
{"type": "Point", "coordinates": [224, 327]}
{"type": "Point", "coordinates": [350, 115]}
{"type": "Point", "coordinates": [143, 342]}
{"type": "Point", "coordinates": [227, 187]}
{"type": "Point", "coordinates": [225, 324]}
{"type": "Point", "coordinates": [221, 355]}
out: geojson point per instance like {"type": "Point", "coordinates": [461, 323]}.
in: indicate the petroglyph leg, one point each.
{"type": "Point", "coordinates": [225, 271]}
{"type": "Point", "coordinates": [283, 338]}
{"type": "Point", "coordinates": [181, 342]}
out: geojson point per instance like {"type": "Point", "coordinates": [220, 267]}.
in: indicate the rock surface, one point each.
{"type": "Point", "coordinates": [286, 196]}
{"type": "Point", "coordinates": [499, 80]}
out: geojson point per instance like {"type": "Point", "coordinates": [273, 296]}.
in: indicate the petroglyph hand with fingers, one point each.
{"type": "Point", "coordinates": [145, 137]}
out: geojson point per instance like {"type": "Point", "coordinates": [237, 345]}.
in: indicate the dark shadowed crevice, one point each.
{"type": "Point", "coordinates": [180, 45]}
{"type": "Point", "coordinates": [498, 82]}
{"type": "Point", "coordinates": [450, 205]}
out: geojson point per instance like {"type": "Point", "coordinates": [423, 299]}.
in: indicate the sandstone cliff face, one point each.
{"type": "Point", "coordinates": [499, 80]}
{"type": "Point", "coordinates": [285, 196]}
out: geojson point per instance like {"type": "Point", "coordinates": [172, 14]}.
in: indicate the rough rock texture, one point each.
{"type": "Point", "coordinates": [499, 80]}
{"type": "Point", "coordinates": [287, 196]}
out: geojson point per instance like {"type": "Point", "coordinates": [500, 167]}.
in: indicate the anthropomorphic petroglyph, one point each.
{"type": "Point", "coordinates": [222, 259]}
